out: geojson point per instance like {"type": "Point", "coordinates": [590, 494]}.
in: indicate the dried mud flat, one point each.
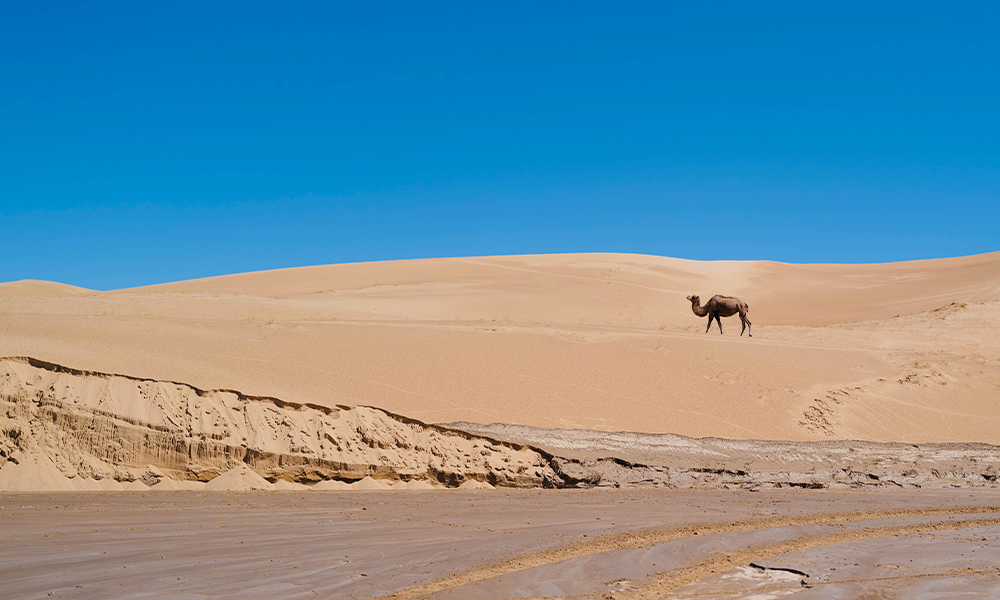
{"type": "Point", "coordinates": [493, 545]}
{"type": "Point", "coordinates": [664, 460]}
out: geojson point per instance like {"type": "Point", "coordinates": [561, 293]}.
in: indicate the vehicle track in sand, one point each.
{"type": "Point", "coordinates": [771, 588]}
{"type": "Point", "coordinates": [657, 585]}
{"type": "Point", "coordinates": [778, 588]}
{"type": "Point", "coordinates": [667, 582]}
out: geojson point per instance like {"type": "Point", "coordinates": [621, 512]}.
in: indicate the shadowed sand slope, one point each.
{"type": "Point", "coordinates": [890, 352]}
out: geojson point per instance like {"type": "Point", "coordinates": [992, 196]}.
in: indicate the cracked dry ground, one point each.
{"type": "Point", "coordinates": [554, 544]}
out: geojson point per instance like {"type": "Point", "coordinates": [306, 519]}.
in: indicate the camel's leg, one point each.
{"type": "Point", "coordinates": [709, 324]}
{"type": "Point", "coordinates": [746, 321]}
{"type": "Point", "coordinates": [718, 320]}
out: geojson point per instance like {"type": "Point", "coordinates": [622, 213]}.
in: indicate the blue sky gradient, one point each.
{"type": "Point", "coordinates": [144, 143]}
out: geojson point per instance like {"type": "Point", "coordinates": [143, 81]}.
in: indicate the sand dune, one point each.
{"type": "Point", "coordinates": [34, 287]}
{"type": "Point", "coordinates": [889, 352]}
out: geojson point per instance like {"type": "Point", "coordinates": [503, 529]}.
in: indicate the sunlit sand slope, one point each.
{"type": "Point", "coordinates": [892, 352]}
{"type": "Point", "coordinates": [34, 287]}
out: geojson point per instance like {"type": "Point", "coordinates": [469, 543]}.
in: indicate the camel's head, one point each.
{"type": "Point", "coordinates": [694, 299]}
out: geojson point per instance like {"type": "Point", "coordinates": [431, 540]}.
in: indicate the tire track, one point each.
{"type": "Point", "coordinates": [724, 561]}
{"type": "Point", "coordinates": [775, 588]}
{"type": "Point", "coordinates": [669, 581]}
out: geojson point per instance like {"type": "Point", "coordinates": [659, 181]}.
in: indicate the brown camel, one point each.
{"type": "Point", "coordinates": [721, 306]}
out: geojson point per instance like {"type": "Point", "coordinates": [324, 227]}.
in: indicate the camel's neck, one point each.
{"type": "Point", "coordinates": [698, 309]}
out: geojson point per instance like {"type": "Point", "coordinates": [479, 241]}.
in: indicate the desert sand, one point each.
{"type": "Point", "coordinates": [361, 431]}
{"type": "Point", "coordinates": [902, 352]}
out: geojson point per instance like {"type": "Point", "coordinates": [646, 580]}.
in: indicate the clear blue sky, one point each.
{"type": "Point", "coordinates": [148, 142]}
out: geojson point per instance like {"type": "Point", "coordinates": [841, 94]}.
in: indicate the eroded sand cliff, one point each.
{"type": "Point", "coordinates": [67, 429]}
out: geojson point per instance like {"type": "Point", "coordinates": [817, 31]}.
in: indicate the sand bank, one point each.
{"type": "Point", "coordinates": [64, 430]}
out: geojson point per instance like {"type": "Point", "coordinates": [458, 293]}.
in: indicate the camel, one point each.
{"type": "Point", "coordinates": [721, 306]}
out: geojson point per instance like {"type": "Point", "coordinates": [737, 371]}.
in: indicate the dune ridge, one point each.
{"type": "Point", "coordinates": [40, 288]}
